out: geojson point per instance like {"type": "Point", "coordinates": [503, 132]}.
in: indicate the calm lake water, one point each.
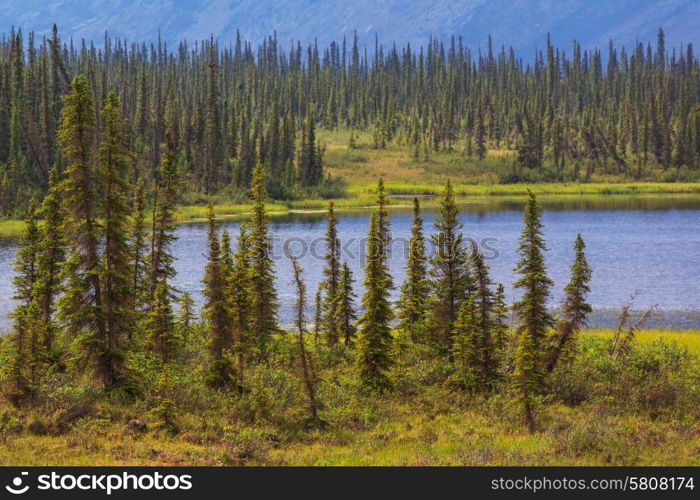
{"type": "Point", "coordinates": [649, 245]}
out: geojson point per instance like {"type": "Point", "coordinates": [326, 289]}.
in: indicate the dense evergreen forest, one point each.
{"type": "Point", "coordinates": [96, 306]}
{"type": "Point", "coordinates": [565, 116]}
{"type": "Point", "coordinates": [101, 339]}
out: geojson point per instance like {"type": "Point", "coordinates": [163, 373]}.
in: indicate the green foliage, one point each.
{"type": "Point", "coordinates": [575, 308]}
{"type": "Point", "coordinates": [163, 225]}
{"type": "Point", "coordinates": [374, 338]}
{"type": "Point", "coordinates": [345, 306]}
{"type": "Point", "coordinates": [164, 338]}
{"type": "Point", "coordinates": [638, 120]}
{"type": "Point", "coordinates": [416, 289]}
{"type": "Point", "coordinates": [186, 314]}
{"type": "Point", "coordinates": [451, 281]}
{"type": "Point", "coordinates": [138, 238]}
{"type": "Point", "coordinates": [467, 347]}
{"type": "Point", "coordinates": [112, 163]}
{"type": "Point", "coordinates": [96, 302]}
{"type": "Point", "coordinates": [164, 410]}
{"type": "Point", "coordinates": [531, 309]}
{"type": "Point", "coordinates": [263, 297]}
{"type": "Point", "coordinates": [332, 321]}
{"type": "Point", "coordinates": [658, 378]}
{"type": "Point", "coordinates": [25, 339]}
{"type": "Point", "coordinates": [216, 313]}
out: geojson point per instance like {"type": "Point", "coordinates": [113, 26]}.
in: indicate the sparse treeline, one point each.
{"type": "Point", "coordinates": [95, 302]}
{"type": "Point", "coordinates": [229, 106]}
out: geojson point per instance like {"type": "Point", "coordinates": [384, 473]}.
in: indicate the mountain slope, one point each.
{"type": "Point", "coordinates": [521, 23]}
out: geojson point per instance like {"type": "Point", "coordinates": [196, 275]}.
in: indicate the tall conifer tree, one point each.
{"type": "Point", "coordinates": [533, 315]}
{"type": "Point", "coordinates": [332, 273]}
{"type": "Point", "coordinates": [416, 289]}
{"type": "Point", "coordinates": [82, 306]}
{"type": "Point", "coordinates": [216, 311]}
{"type": "Point", "coordinates": [345, 306]}
{"type": "Point", "coordinates": [374, 338]}
{"type": "Point", "coordinates": [449, 272]}
{"type": "Point", "coordinates": [575, 308]}
{"type": "Point", "coordinates": [50, 261]}
{"type": "Point", "coordinates": [113, 160]}
{"type": "Point", "coordinates": [263, 317]}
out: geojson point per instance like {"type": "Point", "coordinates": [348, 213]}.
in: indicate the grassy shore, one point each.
{"type": "Point", "coordinates": [429, 425]}
{"type": "Point", "coordinates": [361, 194]}
{"type": "Point", "coordinates": [405, 176]}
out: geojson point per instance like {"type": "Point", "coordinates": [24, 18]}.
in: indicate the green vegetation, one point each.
{"type": "Point", "coordinates": [97, 353]}
{"type": "Point", "coordinates": [329, 116]}
{"type": "Point", "coordinates": [643, 414]}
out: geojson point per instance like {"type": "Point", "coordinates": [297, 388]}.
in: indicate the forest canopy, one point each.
{"type": "Point", "coordinates": [632, 112]}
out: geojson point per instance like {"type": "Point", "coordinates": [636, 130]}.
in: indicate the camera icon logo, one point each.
{"type": "Point", "coordinates": [16, 487]}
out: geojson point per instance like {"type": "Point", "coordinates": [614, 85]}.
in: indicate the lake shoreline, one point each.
{"type": "Point", "coordinates": [361, 197]}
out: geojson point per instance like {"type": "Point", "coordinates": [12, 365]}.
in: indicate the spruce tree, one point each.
{"type": "Point", "coordinates": [500, 334]}
{"type": "Point", "coordinates": [113, 160]}
{"type": "Point", "coordinates": [81, 306]}
{"type": "Point", "coordinates": [575, 309]}
{"type": "Point", "coordinates": [226, 256]}
{"type": "Point", "coordinates": [25, 342]}
{"type": "Point", "coordinates": [163, 336]}
{"type": "Point", "coordinates": [232, 283]}
{"type": "Point", "coordinates": [138, 239]}
{"type": "Point", "coordinates": [163, 230]}
{"type": "Point", "coordinates": [345, 306]}
{"type": "Point", "coordinates": [50, 261]}
{"type": "Point", "coordinates": [263, 312]}
{"type": "Point", "coordinates": [186, 315]}
{"type": "Point", "coordinates": [216, 313]}
{"type": "Point", "coordinates": [483, 300]}
{"type": "Point", "coordinates": [416, 289]}
{"type": "Point", "coordinates": [332, 273]}
{"type": "Point", "coordinates": [318, 312]}
{"type": "Point", "coordinates": [449, 272]}
{"type": "Point", "coordinates": [383, 226]}
{"type": "Point", "coordinates": [531, 310]}
{"type": "Point", "coordinates": [374, 337]}
{"type": "Point", "coordinates": [164, 410]}
{"type": "Point", "coordinates": [239, 292]}
{"type": "Point", "coordinates": [467, 347]}
{"type": "Point", "coordinates": [310, 162]}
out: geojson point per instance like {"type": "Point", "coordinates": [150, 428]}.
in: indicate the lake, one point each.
{"type": "Point", "coordinates": [649, 245]}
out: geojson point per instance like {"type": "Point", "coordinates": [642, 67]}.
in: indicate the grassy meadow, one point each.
{"type": "Point", "coordinates": [642, 410]}
{"type": "Point", "coordinates": [405, 176]}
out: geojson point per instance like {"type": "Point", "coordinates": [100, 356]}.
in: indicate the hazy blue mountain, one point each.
{"type": "Point", "coordinates": [521, 23]}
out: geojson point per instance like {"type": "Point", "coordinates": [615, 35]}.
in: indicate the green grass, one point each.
{"type": "Point", "coordinates": [195, 212]}
{"type": "Point", "coordinates": [687, 338]}
{"type": "Point", "coordinates": [404, 176]}
{"type": "Point", "coordinates": [11, 228]}
{"type": "Point", "coordinates": [428, 425]}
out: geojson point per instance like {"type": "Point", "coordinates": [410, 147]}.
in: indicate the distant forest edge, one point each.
{"type": "Point", "coordinates": [567, 117]}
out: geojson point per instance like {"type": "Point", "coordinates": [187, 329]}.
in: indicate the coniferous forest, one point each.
{"type": "Point", "coordinates": [108, 362]}
{"type": "Point", "coordinates": [565, 116]}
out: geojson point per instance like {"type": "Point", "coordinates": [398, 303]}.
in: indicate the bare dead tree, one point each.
{"type": "Point", "coordinates": [300, 320]}
{"type": "Point", "coordinates": [623, 338]}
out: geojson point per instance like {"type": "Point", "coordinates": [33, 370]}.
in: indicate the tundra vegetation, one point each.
{"type": "Point", "coordinates": [108, 363]}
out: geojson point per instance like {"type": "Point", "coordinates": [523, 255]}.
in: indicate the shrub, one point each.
{"type": "Point", "coordinates": [660, 379]}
